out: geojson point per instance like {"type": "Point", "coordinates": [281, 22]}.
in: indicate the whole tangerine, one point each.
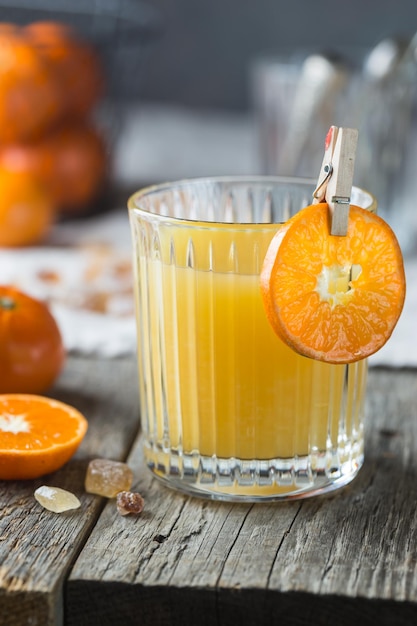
{"type": "Point", "coordinates": [70, 163]}
{"type": "Point", "coordinates": [30, 95]}
{"type": "Point", "coordinates": [32, 351]}
{"type": "Point", "coordinates": [77, 166]}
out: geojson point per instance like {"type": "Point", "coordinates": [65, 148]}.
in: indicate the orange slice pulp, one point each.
{"type": "Point", "coordinates": [38, 435]}
{"type": "Point", "coordinates": [333, 298]}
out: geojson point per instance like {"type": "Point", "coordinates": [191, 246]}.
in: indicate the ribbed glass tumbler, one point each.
{"type": "Point", "coordinates": [228, 411]}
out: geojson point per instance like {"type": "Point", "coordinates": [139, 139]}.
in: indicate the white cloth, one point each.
{"type": "Point", "coordinates": [84, 273]}
{"type": "Point", "coordinates": [401, 349]}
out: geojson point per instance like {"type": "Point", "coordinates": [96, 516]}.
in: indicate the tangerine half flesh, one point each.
{"type": "Point", "coordinates": [334, 298]}
{"type": "Point", "coordinates": [38, 435]}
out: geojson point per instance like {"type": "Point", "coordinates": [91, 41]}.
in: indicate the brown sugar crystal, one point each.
{"type": "Point", "coordinates": [106, 477]}
{"type": "Point", "coordinates": [129, 502]}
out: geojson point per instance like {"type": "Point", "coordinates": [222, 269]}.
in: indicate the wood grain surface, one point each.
{"type": "Point", "coordinates": [37, 547]}
{"type": "Point", "coordinates": [330, 560]}
{"type": "Point", "coordinates": [338, 559]}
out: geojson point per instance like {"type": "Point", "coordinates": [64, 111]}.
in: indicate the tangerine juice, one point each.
{"type": "Point", "coordinates": [228, 410]}
{"type": "Point", "coordinates": [221, 384]}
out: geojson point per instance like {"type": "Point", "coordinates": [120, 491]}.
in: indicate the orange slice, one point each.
{"type": "Point", "coordinates": [333, 298]}
{"type": "Point", "coordinates": [38, 435]}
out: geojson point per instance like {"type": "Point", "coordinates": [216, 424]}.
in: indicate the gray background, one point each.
{"type": "Point", "coordinates": [206, 47]}
{"type": "Point", "coordinates": [200, 51]}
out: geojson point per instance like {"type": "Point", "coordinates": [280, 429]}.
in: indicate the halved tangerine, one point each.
{"type": "Point", "coordinates": [333, 298]}
{"type": "Point", "coordinates": [38, 435]}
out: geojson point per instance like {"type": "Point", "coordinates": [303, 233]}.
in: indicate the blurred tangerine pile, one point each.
{"type": "Point", "coordinates": [53, 158]}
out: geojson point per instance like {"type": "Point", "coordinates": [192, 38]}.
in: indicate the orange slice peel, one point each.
{"type": "Point", "coordinates": [333, 298]}
{"type": "Point", "coordinates": [38, 435]}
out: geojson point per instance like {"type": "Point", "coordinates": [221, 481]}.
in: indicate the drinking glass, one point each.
{"type": "Point", "coordinates": [228, 410]}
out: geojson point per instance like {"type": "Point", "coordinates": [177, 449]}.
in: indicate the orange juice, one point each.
{"type": "Point", "coordinates": [227, 409]}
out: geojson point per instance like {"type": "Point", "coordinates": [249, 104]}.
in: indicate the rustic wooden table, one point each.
{"type": "Point", "coordinates": [346, 558]}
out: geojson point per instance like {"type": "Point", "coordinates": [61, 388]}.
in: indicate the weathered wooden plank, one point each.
{"type": "Point", "coordinates": [331, 560]}
{"type": "Point", "coordinates": [37, 547]}
{"type": "Point", "coordinates": [357, 550]}
{"type": "Point", "coordinates": [129, 552]}
{"type": "Point", "coordinates": [363, 542]}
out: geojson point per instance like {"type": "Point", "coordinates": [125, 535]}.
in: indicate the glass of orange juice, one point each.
{"type": "Point", "coordinates": [228, 410]}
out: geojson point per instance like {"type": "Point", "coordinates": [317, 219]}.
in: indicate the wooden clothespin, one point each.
{"type": "Point", "coordinates": [336, 176]}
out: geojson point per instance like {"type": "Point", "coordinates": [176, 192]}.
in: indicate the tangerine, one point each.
{"type": "Point", "coordinates": [38, 435]}
{"type": "Point", "coordinates": [30, 95]}
{"type": "Point", "coordinates": [78, 165]}
{"type": "Point", "coordinates": [333, 298]}
{"type": "Point", "coordinates": [70, 162]}
{"type": "Point", "coordinates": [31, 347]}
